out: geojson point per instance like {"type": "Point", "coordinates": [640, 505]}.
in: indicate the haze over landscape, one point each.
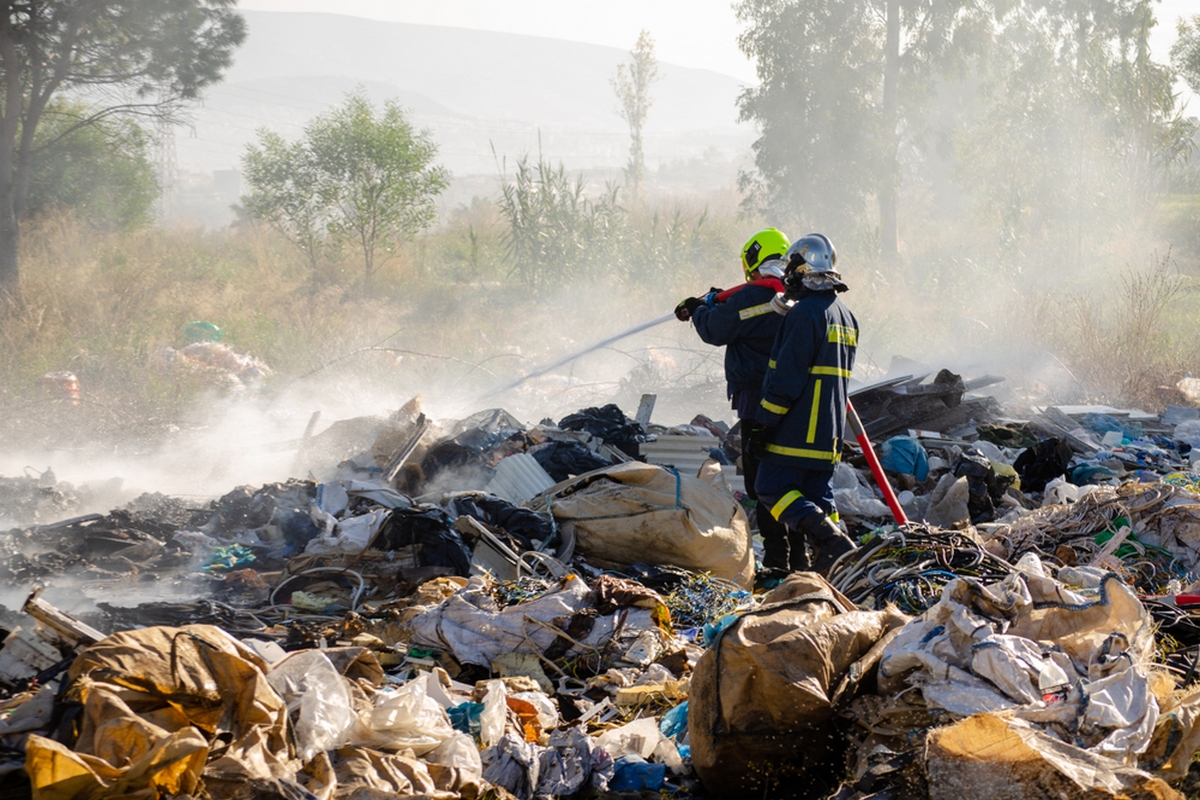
{"type": "Point", "coordinates": [490, 80]}
{"type": "Point", "coordinates": [384, 385]}
{"type": "Point", "coordinates": [1003, 182]}
{"type": "Point", "coordinates": [485, 96]}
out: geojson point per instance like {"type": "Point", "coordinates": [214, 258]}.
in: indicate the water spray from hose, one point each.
{"type": "Point", "coordinates": [567, 359]}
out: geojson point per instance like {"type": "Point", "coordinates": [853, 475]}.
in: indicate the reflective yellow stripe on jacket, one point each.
{"type": "Point", "coordinates": [754, 311]}
{"type": "Point", "coordinates": [835, 371]}
{"type": "Point", "coordinates": [800, 452]}
{"type": "Point", "coordinates": [773, 408]}
{"type": "Point", "coordinates": [842, 334]}
{"type": "Point", "coordinates": [814, 413]}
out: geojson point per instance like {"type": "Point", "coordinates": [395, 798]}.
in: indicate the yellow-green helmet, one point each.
{"type": "Point", "coordinates": [766, 244]}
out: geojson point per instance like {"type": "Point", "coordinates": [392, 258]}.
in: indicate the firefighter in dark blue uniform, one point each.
{"type": "Point", "coordinates": [802, 414]}
{"type": "Point", "coordinates": [743, 322]}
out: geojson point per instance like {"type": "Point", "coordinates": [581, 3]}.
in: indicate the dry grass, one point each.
{"type": "Point", "coordinates": [450, 311]}
{"type": "Point", "coordinates": [101, 305]}
{"type": "Point", "coordinates": [1124, 338]}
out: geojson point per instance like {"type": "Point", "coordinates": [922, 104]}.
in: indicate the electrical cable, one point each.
{"type": "Point", "coordinates": [910, 568]}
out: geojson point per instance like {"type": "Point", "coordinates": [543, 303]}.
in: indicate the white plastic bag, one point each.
{"type": "Point", "coordinates": [410, 718]}
{"type": "Point", "coordinates": [351, 535]}
{"type": "Point", "coordinates": [641, 738]}
{"type": "Point", "coordinates": [458, 751]}
{"type": "Point", "coordinates": [310, 684]}
{"type": "Point", "coordinates": [1188, 432]}
{"type": "Point", "coordinates": [494, 714]}
{"type": "Point", "coordinates": [1060, 492]}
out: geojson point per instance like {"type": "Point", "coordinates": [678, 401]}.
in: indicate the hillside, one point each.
{"type": "Point", "coordinates": [485, 96]}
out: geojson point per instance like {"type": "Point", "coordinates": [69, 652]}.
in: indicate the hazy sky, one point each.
{"type": "Point", "coordinates": [691, 33]}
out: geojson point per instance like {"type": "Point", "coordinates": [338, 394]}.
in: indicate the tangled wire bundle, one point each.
{"type": "Point", "coordinates": [509, 593]}
{"type": "Point", "coordinates": [910, 567]}
{"type": "Point", "coordinates": [1177, 639]}
{"type": "Point", "coordinates": [1150, 558]}
{"type": "Point", "coordinates": [701, 599]}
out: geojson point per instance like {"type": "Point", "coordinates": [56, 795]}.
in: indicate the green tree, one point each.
{"type": "Point", "coordinates": [356, 178]}
{"type": "Point", "coordinates": [1070, 106]}
{"type": "Point", "coordinates": [1185, 52]}
{"type": "Point", "coordinates": [845, 87]}
{"type": "Point", "coordinates": [922, 41]}
{"type": "Point", "coordinates": [377, 171]}
{"type": "Point", "coordinates": [632, 86]}
{"type": "Point", "coordinates": [1185, 59]}
{"type": "Point", "coordinates": [141, 56]}
{"type": "Point", "coordinates": [818, 154]}
{"type": "Point", "coordinates": [1050, 104]}
{"type": "Point", "coordinates": [1017, 156]}
{"type": "Point", "coordinates": [1156, 138]}
{"type": "Point", "coordinates": [101, 172]}
{"type": "Point", "coordinates": [286, 193]}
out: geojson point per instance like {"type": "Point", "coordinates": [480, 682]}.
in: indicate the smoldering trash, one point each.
{"type": "Point", "coordinates": [488, 608]}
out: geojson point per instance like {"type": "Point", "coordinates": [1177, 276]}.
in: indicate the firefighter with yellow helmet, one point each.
{"type": "Point", "coordinates": [742, 321]}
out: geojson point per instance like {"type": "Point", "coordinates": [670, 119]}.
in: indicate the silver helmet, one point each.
{"type": "Point", "coordinates": [814, 252]}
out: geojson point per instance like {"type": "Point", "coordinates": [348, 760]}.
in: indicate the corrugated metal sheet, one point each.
{"type": "Point", "coordinates": [518, 478]}
{"type": "Point", "coordinates": [684, 453]}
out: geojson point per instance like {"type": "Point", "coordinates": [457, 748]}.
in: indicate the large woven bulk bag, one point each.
{"type": "Point", "coordinates": [636, 512]}
{"type": "Point", "coordinates": [762, 697]}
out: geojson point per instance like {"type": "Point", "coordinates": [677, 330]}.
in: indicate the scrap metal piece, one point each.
{"type": "Point", "coordinates": [645, 410]}
{"type": "Point", "coordinates": [70, 629]}
{"type": "Point", "coordinates": [400, 456]}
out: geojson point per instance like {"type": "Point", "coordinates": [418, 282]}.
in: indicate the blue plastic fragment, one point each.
{"type": "Point", "coordinates": [674, 723]}
{"type": "Point", "coordinates": [634, 774]}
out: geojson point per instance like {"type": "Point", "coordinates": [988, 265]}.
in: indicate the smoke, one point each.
{"type": "Point", "coordinates": [253, 437]}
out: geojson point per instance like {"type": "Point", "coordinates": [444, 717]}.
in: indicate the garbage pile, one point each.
{"type": "Point", "coordinates": [216, 364]}
{"type": "Point", "coordinates": [37, 497]}
{"type": "Point", "coordinates": [487, 608]}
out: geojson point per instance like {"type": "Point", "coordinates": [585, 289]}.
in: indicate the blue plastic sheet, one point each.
{"type": "Point", "coordinates": [713, 629]}
{"type": "Point", "coordinates": [230, 557]}
{"type": "Point", "coordinates": [634, 774]}
{"type": "Point", "coordinates": [465, 717]}
{"type": "Point", "coordinates": [905, 455]}
{"type": "Point", "coordinates": [1103, 423]}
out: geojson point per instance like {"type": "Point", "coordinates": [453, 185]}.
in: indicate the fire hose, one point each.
{"type": "Point", "coordinates": [885, 488]}
{"type": "Point", "coordinates": [780, 305]}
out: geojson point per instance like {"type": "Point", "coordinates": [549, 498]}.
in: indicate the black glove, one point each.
{"type": "Point", "coordinates": [687, 307]}
{"type": "Point", "coordinates": [755, 441]}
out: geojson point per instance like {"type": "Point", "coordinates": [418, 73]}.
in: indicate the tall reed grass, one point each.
{"type": "Point", "coordinates": [466, 302]}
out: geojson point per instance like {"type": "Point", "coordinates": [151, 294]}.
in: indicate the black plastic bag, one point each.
{"type": "Point", "coordinates": [529, 528]}
{"type": "Point", "coordinates": [984, 490]}
{"type": "Point", "coordinates": [608, 423]}
{"type": "Point", "coordinates": [466, 449]}
{"type": "Point", "coordinates": [432, 533]}
{"type": "Point", "coordinates": [1042, 463]}
{"type": "Point", "coordinates": [563, 460]}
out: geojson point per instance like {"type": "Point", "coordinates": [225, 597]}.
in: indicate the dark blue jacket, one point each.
{"type": "Point", "coordinates": [805, 392]}
{"type": "Point", "coordinates": [746, 325]}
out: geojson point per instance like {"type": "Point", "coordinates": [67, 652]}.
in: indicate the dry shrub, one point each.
{"type": "Point", "coordinates": [99, 305]}
{"type": "Point", "coordinates": [1130, 344]}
